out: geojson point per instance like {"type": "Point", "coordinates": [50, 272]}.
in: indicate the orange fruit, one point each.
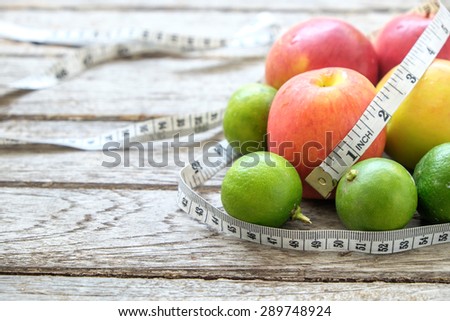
{"type": "Point", "coordinates": [423, 119]}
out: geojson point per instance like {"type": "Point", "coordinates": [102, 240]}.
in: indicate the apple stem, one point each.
{"type": "Point", "coordinates": [351, 175]}
{"type": "Point", "coordinates": [298, 215]}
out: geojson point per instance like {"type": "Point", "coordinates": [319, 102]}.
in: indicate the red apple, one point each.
{"type": "Point", "coordinates": [398, 36]}
{"type": "Point", "coordinates": [319, 43]}
{"type": "Point", "coordinates": [312, 112]}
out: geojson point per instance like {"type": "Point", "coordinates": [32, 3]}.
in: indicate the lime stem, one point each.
{"type": "Point", "coordinates": [298, 215]}
{"type": "Point", "coordinates": [351, 175]}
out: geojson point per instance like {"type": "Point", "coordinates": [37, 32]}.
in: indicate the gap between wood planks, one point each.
{"type": "Point", "coordinates": [90, 117]}
{"type": "Point", "coordinates": [201, 8]}
{"type": "Point", "coordinates": [204, 274]}
{"type": "Point", "coordinates": [102, 186]}
{"type": "Point", "coordinates": [107, 186]}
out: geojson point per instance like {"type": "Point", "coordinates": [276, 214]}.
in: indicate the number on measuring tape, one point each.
{"type": "Point", "coordinates": [198, 171]}
{"type": "Point", "coordinates": [301, 240]}
{"type": "Point", "coordinates": [346, 153]}
{"type": "Point", "coordinates": [422, 240]}
{"type": "Point", "coordinates": [214, 221]}
{"type": "Point", "coordinates": [155, 129]}
{"type": "Point", "coordinates": [232, 229]}
{"type": "Point", "coordinates": [294, 244]}
{"type": "Point", "coordinates": [105, 46]}
{"type": "Point", "coordinates": [336, 245]}
{"type": "Point", "coordinates": [403, 244]}
{"type": "Point", "coordinates": [359, 246]}
{"type": "Point", "coordinates": [441, 238]}
{"type": "Point", "coordinates": [274, 241]}
{"type": "Point", "coordinates": [381, 247]}
{"type": "Point", "coordinates": [251, 236]}
{"type": "Point", "coordinates": [325, 177]}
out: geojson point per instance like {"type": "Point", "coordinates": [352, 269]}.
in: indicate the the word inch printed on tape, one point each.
{"type": "Point", "coordinates": [196, 173]}
{"type": "Point", "coordinates": [325, 177]}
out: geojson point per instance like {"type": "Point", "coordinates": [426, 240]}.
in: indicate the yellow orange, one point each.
{"type": "Point", "coordinates": [423, 119]}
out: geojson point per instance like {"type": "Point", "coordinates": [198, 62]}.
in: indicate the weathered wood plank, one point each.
{"type": "Point", "coordinates": [140, 233]}
{"type": "Point", "coordinates": [203, 81]}
{"type": "Point", "coordinates": [191, 22]}
{"type": "Point", "coordinates": [63, 214]}
{"type": "Point", "coordinates": [199, 5]}
{"type": "Point", "coordinates": [170, 86]}
{"type": "Point", "coordinates": [218, 22]}
{"type": "Point", "coordinates": [29, 165]}
{"type": "Point", "coordinates": [88, 288]}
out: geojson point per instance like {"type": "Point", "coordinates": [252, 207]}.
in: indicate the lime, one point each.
{"type": "Point", "coordinates": [376, 194]}
{"type": "Point", "coordinates": [432, 176]}
{"type": "Point", "coordinates": [245, 119]}
{"type": "Point", "coordinates": [262, 188]}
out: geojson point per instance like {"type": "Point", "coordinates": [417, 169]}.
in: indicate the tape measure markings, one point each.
{"type": "Point", "coordinates": [196, 173]}
{"type": "Point", "coordinates": [83, 37]}
{"type": "Point", "coordinates": [128, 43]}
{"type": "Point", "coordinates": [166, 127]}
{"type": "Point", "coordinates": [325, 177]}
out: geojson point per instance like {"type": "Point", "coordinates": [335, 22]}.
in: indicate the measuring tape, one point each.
{"type": "Point", "coordinates": [325, 177]}
{"type": "Point", "coordinates": [221, 154]}
{"type": "Point", "coordinates": [103, 46]}
{"type": "Point", "coordinates": [149, 130]}
{"type": "Point", "coordinates": [127, 42]}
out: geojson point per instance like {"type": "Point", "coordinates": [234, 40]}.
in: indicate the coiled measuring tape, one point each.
{"type": "Point", "coordinates": [198, 172]}
{"type": "Point", "coordinates": [108, 45]}
{"type": "Point", "coordinates": [103, 46]}
{"type": "Point", "coordinates": [149, 130]}
{"type": "Point", "coordinates": [325, 177]}
{"type": "Point", "coordinates": [220, 155]}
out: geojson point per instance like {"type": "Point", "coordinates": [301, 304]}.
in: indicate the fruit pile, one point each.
{"type": "Point", "coordinates": [321, 75]}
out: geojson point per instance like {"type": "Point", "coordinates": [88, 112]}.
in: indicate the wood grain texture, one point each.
{"type": "Point", "coordinates": [364, 5]}
{"type": "Point", "coordinates": [124, 233]}
{"type": "Point", "coordinates": [90, 288]}
{"type": "Point", "coordinates": [73, 230]}
{"type": "Point", "coordinates": [34, 165]}
{"type": "Point", "coordinates": [142, 87]}
{"type": "Point", "coordinates": [134, 94]}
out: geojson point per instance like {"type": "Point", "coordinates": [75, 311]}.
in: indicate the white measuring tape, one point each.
{"type": "Point", "coordinates": [324, 178]}
{"type": "Point", "coordinates": [150, 130]}
{"type": "Point", "coordinates": [112, 44]}
{"type": "Point", "coordinates": [199, 171]}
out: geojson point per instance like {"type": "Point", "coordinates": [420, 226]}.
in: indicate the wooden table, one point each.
{"type": "Point", "coordinates": [74, 230]}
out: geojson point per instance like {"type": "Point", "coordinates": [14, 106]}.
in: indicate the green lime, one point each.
{"type": "Point", "coordinates": [262, 188]}
{"type": "Point", "coordinates": [376, 194]}
{"type": "Point", "coordinates": [432, 176]}
{"type": "Point", "coordinates": [245, 119]}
